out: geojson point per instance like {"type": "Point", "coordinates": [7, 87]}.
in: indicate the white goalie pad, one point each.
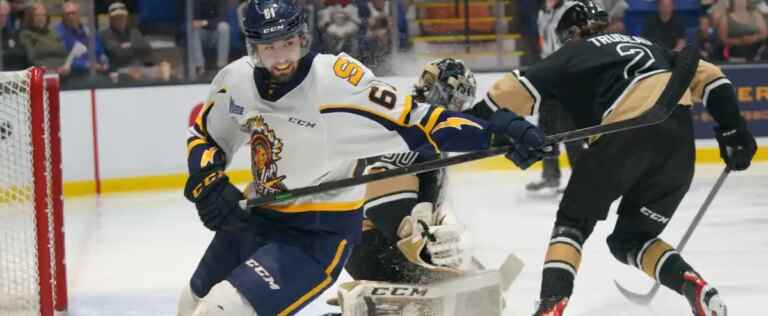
{"type": "Point", "coordinates": [476, 294]}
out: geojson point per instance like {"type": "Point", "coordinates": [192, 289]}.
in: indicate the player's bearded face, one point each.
{"type": "Point", "coordinates": [280, 58]}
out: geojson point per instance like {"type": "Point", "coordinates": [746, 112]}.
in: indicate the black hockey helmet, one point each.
{"type": "Point", "coordinates": [579, 16]}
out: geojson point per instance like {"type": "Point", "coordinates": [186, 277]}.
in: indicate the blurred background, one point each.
{"type": "Point", "coordinates": [135, 72]}
{"type": "Point", "coordinates": [96, 43]}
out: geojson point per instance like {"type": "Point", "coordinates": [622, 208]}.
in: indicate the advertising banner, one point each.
{"type": "Point", "coordinates": [751, 84]}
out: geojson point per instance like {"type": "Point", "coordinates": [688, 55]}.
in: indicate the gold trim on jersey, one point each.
{"type": "Point", "coordinates": [203, 113]}
{"type": "Point", "coordinates": [640, 96]}
{"type": "Point", "coordinates": [456, 123]}
{"type": "Point", "coordinates": [191, 145]}
{"type": "Point", "coordinates": [407, 107]}
{"type": "Point", "coordinates": [322, 285]}
{"type": "Point", "coordinates": [208, 156]}
{"type": "Point", "coordinates": [706, 74]}
{"type": "Point", "coordinates": [433, 117]}
{"type": "Point", "coordinates": [347, 206]}
{"type": "Point", "coordinates": [511, 93]}
{"type": "Point", "coordinates": [377, 114]}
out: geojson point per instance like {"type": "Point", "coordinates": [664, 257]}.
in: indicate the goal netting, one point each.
{"type": "Point", "coordinates": [32, 274]}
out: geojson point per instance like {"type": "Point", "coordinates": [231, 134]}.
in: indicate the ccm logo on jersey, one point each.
{"type": "Point", "coordinates": [398, 291]}
{"type": "Point", "coordinates": [301, 122]}
{"type": "Point", "coordinates": [263, 273]}
{"type": "Point", "coordinates": [653, 215]}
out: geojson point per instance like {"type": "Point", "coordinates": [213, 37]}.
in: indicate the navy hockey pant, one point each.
{"type": "Point", "coordinates": [278, 272]}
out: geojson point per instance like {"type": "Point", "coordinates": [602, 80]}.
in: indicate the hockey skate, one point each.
{"type": "Point", "coordinates": [704, 299]}
{"type": "Point", "coordinates": [551, 306]}
{"type": "Point", "coordinates": [545, 186]}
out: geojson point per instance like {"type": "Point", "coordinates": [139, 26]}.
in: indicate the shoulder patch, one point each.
{"type": "Point", "coordinates": [234, 108]}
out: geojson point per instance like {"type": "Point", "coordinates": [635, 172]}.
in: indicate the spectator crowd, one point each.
{"type": "Point", "coordinates": [147, 41]}
{"type": "Point", "coordinates": [726, 31]}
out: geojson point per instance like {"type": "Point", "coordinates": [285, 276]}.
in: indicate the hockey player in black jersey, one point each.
{"type": "Point", "coordinates": [607, 77]}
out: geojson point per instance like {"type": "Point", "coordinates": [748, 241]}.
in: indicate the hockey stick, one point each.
{"type": "Point", "coordinates": [645, 299]}
{"type": "Point", "coordinates": [685, 67]}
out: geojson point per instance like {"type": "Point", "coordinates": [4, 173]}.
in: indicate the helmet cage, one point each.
{"type": "Point", "coordinates": [447, 82]}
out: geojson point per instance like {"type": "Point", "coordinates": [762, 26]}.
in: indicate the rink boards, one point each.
{"type": "Point", "coordinates": [134, 139]}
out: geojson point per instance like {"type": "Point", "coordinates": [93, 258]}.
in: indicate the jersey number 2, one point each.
{"type": "Point", "coordinates": [642, 58]}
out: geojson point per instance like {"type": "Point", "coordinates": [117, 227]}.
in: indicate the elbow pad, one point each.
{"type": "Point", "coordinates": [722, 104]}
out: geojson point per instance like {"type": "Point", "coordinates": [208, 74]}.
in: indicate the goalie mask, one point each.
{"type": "Point", "coordinates": [276, 34]}
{"type": "Point", "coordinates": [446, 82]}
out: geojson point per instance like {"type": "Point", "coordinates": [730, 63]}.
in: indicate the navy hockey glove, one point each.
{"type": "Point", "coordinates": [737, 146]}
{"type": "Point", "coordinates": [217, 200]}
{"type": "Point", "coordinates": [527, 138]}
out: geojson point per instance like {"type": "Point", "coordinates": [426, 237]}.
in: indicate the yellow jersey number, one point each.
{"type": "Point", "coordinates": [345, 69]}
{"type": "Point", "coordinates": [353, 73]}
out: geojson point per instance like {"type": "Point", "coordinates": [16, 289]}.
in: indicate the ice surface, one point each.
{"type": "Point", "coordinates": [131, 254]}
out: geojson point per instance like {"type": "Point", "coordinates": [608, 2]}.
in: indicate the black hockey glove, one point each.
{"type": "Point", "coordinates": [217, 200]}
{"type": "Point", "coordinates": [528, 139]}
{"type": "Point", "coordinates": [737, 146]}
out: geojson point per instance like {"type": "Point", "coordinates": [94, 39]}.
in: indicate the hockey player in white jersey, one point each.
{"type": "Point", "coordinates": [307, 118]}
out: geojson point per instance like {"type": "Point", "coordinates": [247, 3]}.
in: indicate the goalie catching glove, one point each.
{"type": "Point", "coordinates": [431, 240]}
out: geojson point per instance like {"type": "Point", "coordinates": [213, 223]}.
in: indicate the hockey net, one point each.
{"type": "Point", "coordinates": [32, 273]}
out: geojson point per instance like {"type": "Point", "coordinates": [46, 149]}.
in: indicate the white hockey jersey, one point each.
{"type": "Point", "coordinates": [316, 131]}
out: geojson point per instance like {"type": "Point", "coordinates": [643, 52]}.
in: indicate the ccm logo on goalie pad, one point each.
{"type": "Point", "coordinates": [398, 291]}
{"type": "Point", "coordinates": [263, 273]}
{"type": "Point", "coordinates": [653, 215]}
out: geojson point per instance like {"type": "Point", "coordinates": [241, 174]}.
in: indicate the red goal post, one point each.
{"type": "Point", "coordinates": [32, 266]}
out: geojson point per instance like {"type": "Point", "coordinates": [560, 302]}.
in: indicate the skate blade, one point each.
{"type": "Point", "coordinates": [545, 193]}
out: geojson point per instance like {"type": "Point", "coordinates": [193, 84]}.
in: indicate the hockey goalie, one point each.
{"type": "Point", "coordinates": [413, 259]}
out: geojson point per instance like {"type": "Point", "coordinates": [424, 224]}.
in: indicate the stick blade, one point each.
{"type": "Point", "coordinates": [639, 299]}
{"type": "Point", "coordinates": [509, 270]}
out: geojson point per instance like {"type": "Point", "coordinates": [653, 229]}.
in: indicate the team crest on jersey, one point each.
{"type": "Point", "coordinates": [265, 153]}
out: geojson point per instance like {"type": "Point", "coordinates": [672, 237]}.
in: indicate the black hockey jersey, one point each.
{"type": "Point", "coordinates": [607, 78]}
{"type": "Point", "coordinates": [599, 79]}
{"type": "Point", "coordinates": [589, 76]}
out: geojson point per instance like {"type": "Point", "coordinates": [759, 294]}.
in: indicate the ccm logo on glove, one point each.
{"type": "Point", "coordinates": [206, 182]}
